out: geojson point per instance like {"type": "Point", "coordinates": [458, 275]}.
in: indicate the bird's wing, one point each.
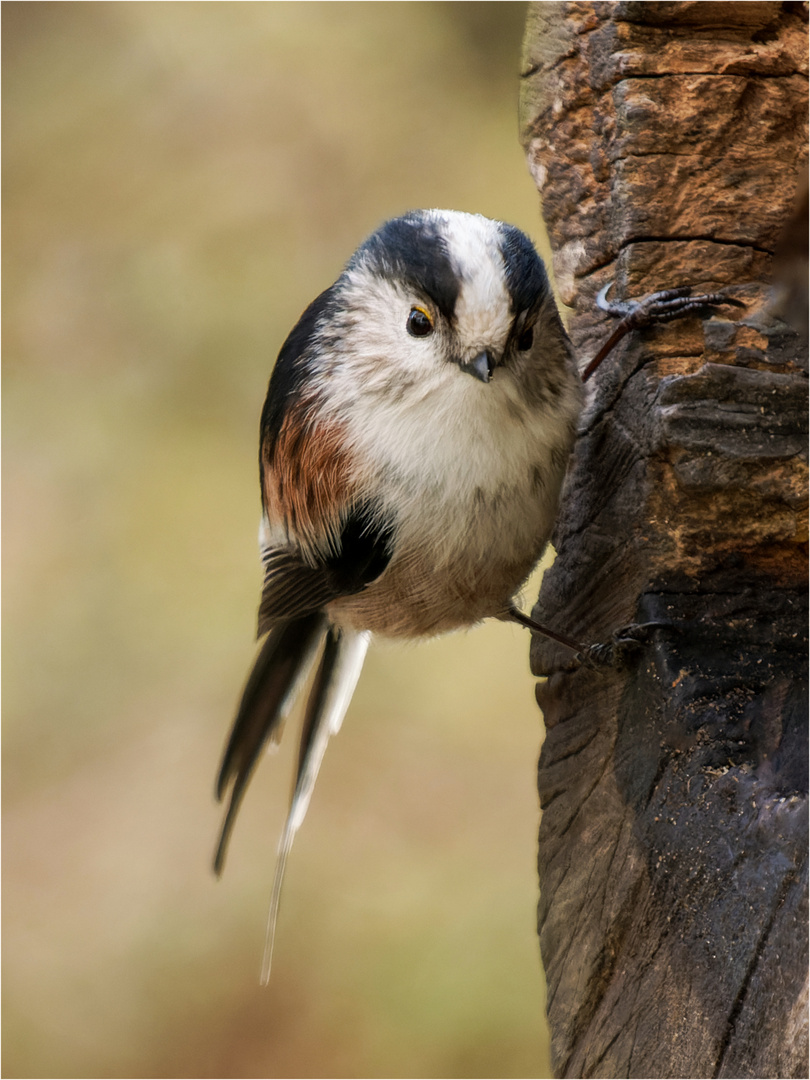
{"type": "Point", "coordinates": [298, 582]}
{"type": "Point", "coordinates": [292, 588]}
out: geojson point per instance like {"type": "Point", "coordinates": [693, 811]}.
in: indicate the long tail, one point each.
{"type": "Point", "coordinates": [282, 665]}
{"type": "Point", "coordinates": [336, 678]}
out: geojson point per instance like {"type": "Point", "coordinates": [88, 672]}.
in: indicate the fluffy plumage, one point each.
{"type": "Point", "coordinates": [410, 468]}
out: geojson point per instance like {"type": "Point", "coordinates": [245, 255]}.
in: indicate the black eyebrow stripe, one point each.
{"type": "Point", "coordinates": [412, 249]}
{"type": "Point", "coordinates": [526, 277]}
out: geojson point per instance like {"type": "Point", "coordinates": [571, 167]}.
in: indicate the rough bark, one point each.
{"type": "Point", "coordinates": [667, 141]}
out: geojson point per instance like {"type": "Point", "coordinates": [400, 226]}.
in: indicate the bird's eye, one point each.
{"type": "Point", "coordinates": [419, 323]}
{"type": "Point", "coordinates": [525, 340]}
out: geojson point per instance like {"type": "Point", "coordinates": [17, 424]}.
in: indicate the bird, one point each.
{"type": "Point", "coordinates": [413, 443]}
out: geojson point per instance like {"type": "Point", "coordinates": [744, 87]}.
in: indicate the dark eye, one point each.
{"type": "Point", "coordinates": [419, 323]}
{"type": "Point", "coordinates": [525, 340]}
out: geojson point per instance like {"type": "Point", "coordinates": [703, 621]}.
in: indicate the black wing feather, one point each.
{"type": "Point", "coordinates": [292, 587]}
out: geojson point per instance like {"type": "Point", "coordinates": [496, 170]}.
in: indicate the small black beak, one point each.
{"type": "Point", "coordinates": [480, 366]}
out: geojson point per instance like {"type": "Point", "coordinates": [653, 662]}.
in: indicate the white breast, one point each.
{"type": "Point", "coordinates": [472, 480]}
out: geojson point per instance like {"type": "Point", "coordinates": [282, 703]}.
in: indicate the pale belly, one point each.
{"type": "Point", "coordinates": [433, 587]}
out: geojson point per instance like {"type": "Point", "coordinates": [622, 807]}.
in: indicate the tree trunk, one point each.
{"type": "Point", "coordinates": [668, 140]}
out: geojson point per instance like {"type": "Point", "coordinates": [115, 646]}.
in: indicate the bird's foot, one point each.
{"type": "Point", "coordinates": [656, 307]}
{"type": "Point", "coordinates": [661, 306]}
{"type": "Point", "coordinates": [618, 651]}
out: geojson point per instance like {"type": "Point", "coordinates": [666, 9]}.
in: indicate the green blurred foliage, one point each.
{"type": "Point", "coordinates": [180, 180]}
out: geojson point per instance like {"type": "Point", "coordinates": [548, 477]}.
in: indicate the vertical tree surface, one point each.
{"type": "Point", "coordinates": [668, 142]}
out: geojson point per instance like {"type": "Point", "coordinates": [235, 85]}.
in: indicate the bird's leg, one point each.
{"type": "Point", "coordinates": [603, 655]}
{"type": "Point", "coordinates": [562, 639]}
{"type": "Point", "coordinates": [663, 306]}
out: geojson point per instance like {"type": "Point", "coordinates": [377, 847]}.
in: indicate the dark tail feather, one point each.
{"type": "Point", "coordinates": [282, 664]}
{"type": "Point", "coordinates": [336, 678]}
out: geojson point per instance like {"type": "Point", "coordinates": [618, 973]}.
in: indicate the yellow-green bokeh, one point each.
{"type": "Point", "coordinates": [180, 180]}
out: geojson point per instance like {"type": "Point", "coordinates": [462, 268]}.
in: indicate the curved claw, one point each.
{"type": "Point", "coordinates": [618, 651]}
{"type": "Point", "coordinates": [601, 297]}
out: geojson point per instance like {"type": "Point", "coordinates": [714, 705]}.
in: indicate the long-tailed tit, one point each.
{"type": "Point", "coordinates": [414, 440]}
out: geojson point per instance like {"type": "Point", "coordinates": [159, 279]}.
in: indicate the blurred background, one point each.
{"type": "Point", "coordinates": [180, 180]}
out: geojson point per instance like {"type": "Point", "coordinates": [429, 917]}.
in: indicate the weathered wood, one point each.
{"type": "Point", "coordinates": [667, 141]}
